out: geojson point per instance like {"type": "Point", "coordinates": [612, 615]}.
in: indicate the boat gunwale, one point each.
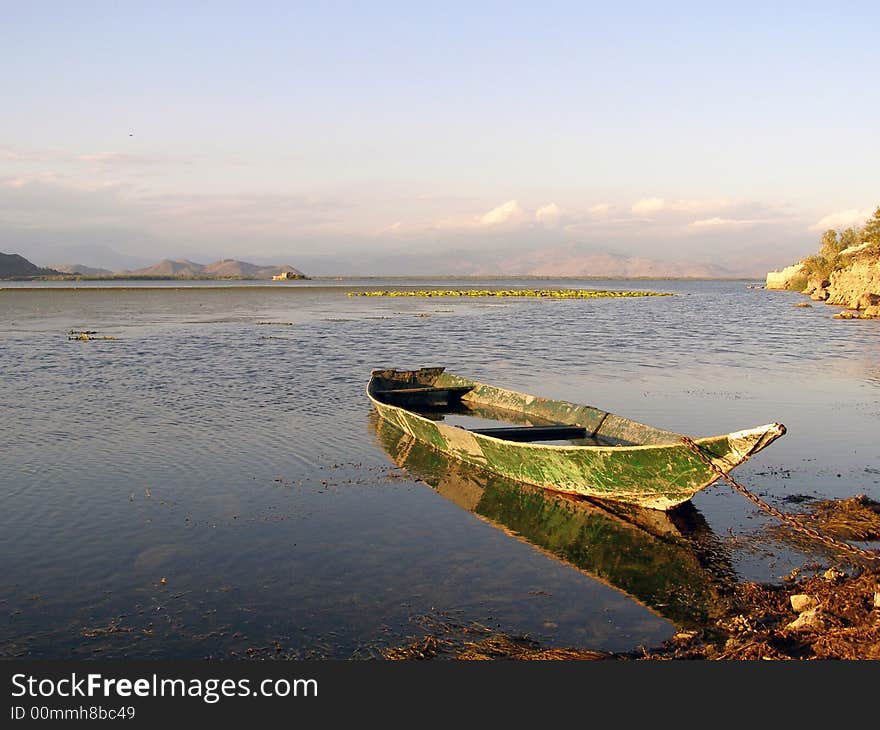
{"type": "Point", "coordinates": [573, 447]}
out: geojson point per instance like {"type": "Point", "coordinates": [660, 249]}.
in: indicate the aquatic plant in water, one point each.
{"type": "Point", "coordinates": [536, 293]}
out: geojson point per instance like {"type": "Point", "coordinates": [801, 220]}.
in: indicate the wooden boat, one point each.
{"type": "Point", "coordinates": [567, 447]}
{"type": "Point", "coordinates": [669, 562]}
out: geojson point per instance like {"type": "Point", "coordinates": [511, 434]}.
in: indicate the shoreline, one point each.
{"type": "Point", "coordinates": [371, 277]}
{"type": "Point", "coordinates": [826, 610]}
{"type": "Point", "coordinates": [826, 616]}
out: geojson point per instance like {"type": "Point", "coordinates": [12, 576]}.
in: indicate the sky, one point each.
{"type": "Point", "coordinates": [276, 131]}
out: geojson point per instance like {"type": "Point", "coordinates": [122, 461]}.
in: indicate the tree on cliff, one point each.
{"type": "Point", "coordinates": [851, 238]}
{"type": "Point", "coordinates": [818, 268]}
{"type": "Point", "coordinates": [831, 244]}
{"type": "Point", "coordinates": [872, 231]}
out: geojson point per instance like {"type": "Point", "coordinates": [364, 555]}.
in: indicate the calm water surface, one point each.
{"type": "Point", "coordinates": [212, 483]}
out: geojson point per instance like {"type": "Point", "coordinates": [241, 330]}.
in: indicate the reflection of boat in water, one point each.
{"type": "Point", "coordinates": [668, 561]}
{"type": "Point", "coordinates": [596, 454]}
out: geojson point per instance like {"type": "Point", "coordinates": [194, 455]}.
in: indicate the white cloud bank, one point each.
{"type": "Point", "coordinates": [717, 222]}
{"type": "Point", "coordinates": [646, 206]}
{"type": "Point", "coordinates": [50, 205]}
{"type": "Point", "coordinates": [841, 219]}
{"type": "Point", "coordinates": [506, 213]}
{"type": "Point", "coordinates": [548, 214]}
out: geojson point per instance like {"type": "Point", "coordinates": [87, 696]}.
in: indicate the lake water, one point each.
{"type": "Point", "coordinates": [211, 482]}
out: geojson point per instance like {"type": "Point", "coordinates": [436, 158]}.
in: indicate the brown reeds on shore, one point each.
{"type": "Point", "coordinates": [844, 623]}
{"type": "Point", "coordinates": [856, 518]}
{"type": "Point", "coordinates": [475, 642]}
{"type": "Point", "coordinates": [500, 646]}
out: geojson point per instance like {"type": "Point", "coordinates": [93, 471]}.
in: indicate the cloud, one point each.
{"type": "Point", "coordinates": [393, 228]}
{"type": "Point", "coordinates": [691, 206]}
{"type": "Point", "coordinates": [125, 159]}
{"type": "Point", "coordinates": [15, 155]}
{"type": "Point", "coordinates": [57, 201]}
{"type": "Point", "coordinates": [646, 206]}
{"type": "Point", "coordinates": [841, 219]}
{"type": "Point", "coordinates": [89, 160]}
{"type": "Point", "coordinates": [73, 203]}
{"type": "Point", "coordinates": [717, 222]}
{"type": "Point", "coordinates": [509, 212]}
{"type": "Point", "coordinates": [699, 206]}
{"type": "Point", "coordinates": [548, 214]}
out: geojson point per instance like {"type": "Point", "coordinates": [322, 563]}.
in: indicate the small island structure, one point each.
{"type": "Point", "coordinates": [287, 276]}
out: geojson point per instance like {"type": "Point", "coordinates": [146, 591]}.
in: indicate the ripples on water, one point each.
{"type": "Point", "coordinates": [238, 460]}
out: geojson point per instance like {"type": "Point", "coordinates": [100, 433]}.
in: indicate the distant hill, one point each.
{"type": "Point", "coordinates": [81, 269]}
{"type": "Point", "coordinates": [171, 267]}
{"type": "Point", "coordinates": [96, 256]}
{"type": "Point", "coordinates": [223, 269]}
{"type": "Point", "coordinates": [14, 266]}
{"type": "Point", "coordinates": [233, 268]}
{"type": "Point", "coordinates": [571, 261]}
{"type": "Point", "coordinates": [549, 262]}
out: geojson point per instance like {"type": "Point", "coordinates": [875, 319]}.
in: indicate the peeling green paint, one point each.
{"type": "Point", "coordinates": [622, 460]}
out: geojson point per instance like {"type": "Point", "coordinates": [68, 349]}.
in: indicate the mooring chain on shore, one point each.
{"type": "Point", "coordinates": [787, 519]}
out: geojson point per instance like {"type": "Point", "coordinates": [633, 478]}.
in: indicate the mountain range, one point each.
{"type": "Point", "coordinates": [81, 269]}
{"type": "Point", "coordinates": [13, 265]}
{"type": "Point", "coordinates": [570, 261]}
{"type": "Point", "coordinates": [555, 261]}
{"type": "Point", "coordinates": [222, 269]}
{"type": "Point", "coordinates": [575, 261]}
{"type": "Point", "coordinates": [16, 266]}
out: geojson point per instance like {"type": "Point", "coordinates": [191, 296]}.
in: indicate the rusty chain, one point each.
{"type": "Point", "coordinates": [787, 519]}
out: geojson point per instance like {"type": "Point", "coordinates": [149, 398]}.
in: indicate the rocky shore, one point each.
{"type": "Point", "coordinates": [855, 286]}
{"type": "Point", "coordinates": [830, 615]}
{"type": "Point", "coordinates": [845, 271]}
{"type": "Point", "coordinates": [819, 611]}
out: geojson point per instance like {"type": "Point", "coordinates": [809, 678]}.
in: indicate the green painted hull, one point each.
{"type": "Point", "coordinates": [670, 563]}
{"type": "Point", "coordinates": [624, 461]}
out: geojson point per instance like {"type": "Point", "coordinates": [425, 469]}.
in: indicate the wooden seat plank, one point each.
{"type": "Point", "coordinates": [534, 433]}
{"type": "Point", "coordinates": [427, 389]}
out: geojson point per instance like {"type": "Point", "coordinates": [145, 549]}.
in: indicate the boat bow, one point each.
{"type": "Point", "coordinates": [739, 446]}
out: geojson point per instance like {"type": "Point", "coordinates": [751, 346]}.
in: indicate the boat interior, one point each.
{"type": "Point", "coordinates": [446, 404]}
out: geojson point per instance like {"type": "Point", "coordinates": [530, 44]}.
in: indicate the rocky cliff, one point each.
{"type": "Point", "coordinates": [855, 286]}
{"type": "Point", "coordinates": [845, 271]}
